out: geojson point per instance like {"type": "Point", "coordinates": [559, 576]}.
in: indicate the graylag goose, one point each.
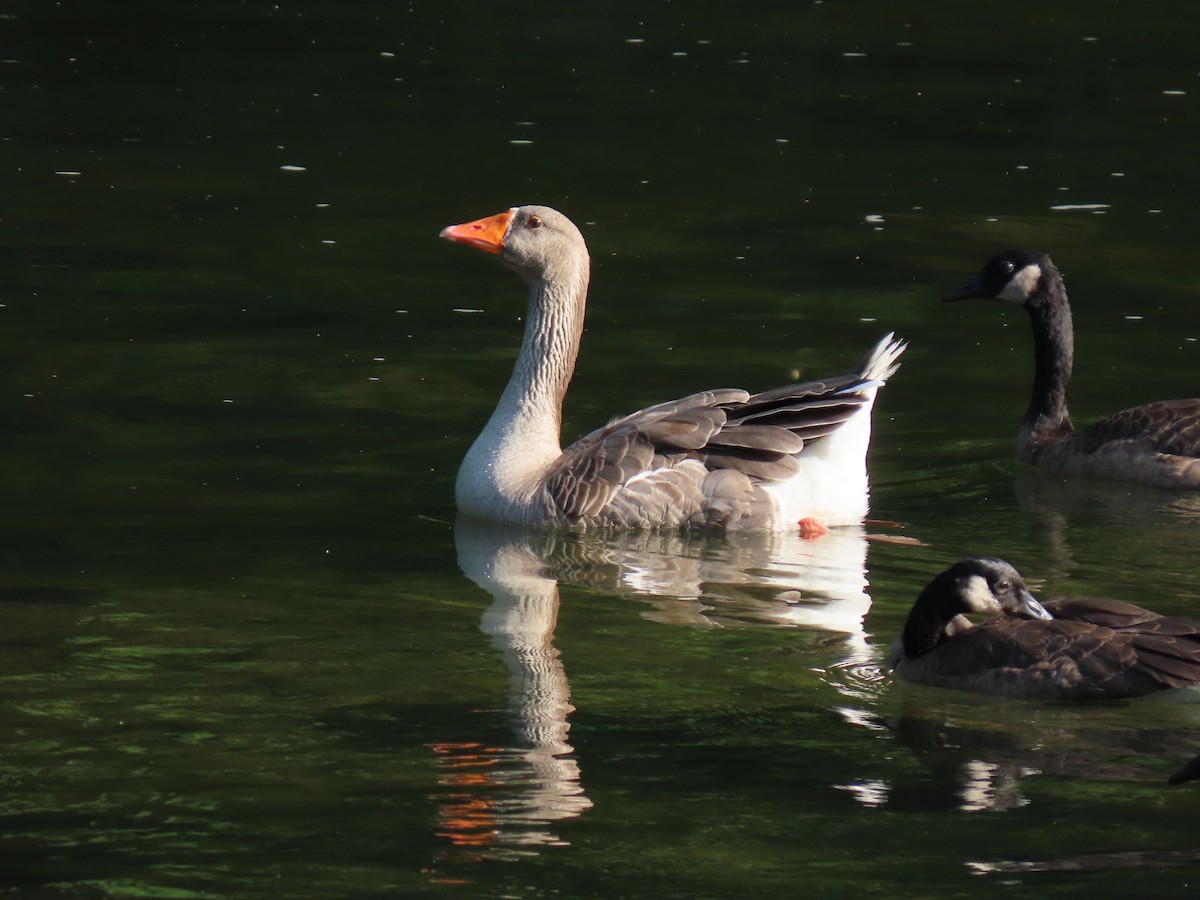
{"type": "Point", "coordinates": [1156, 444]}
{"type": "Point", "coordinates": [1078, 649]}
{"type": "Point", "coordinates": [791, 457]}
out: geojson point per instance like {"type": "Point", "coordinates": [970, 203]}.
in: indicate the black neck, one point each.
{"type": "Point", "coordinates": [926, 625]}
{"type": "Point", "coordinates": [1053, 346]}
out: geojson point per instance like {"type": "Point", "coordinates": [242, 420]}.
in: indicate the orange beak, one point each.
{"type": "Point", "coordinates": [483, 234]}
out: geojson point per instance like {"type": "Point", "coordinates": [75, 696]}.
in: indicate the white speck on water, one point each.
{"type": "Point", "coordinates": [322, 206]}
{"type": "Point", "coordinates": [871, 794]}
{"type": "Point", "coordinates": [328, 242]}
{"type": "Point", "coordinates": [378, 359]}
{"type": "Point", "coordinates": [521, 141]}
{"type": "Point", "coordinates": [293, 168]}
{"type": "Point", "coordinates": [1174, 93]}
{"type": "Point", "coordinates": [1086, 207]}
{"type": "Point", "coordinates": [1117, 174]}
{"type": "Point", "coordinates": [1022, 168]}
{"type": "Point", "coordinates": [68, 173]}
{"type": "Point", "coordinates": [635, 40]}
{"type": "Point", "coordinates": [874, 218]}
{"type": "Point", "coordinates": [464, 309]}
{"type": "Point", "coordinates": [1134, 318]}
{"type": "Point", "coordinates": [387, 54]}
{"type": "Point", "coordinates": [854, 54]}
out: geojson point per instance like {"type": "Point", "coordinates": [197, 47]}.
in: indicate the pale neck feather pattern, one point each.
{"type": "Point", "coordinates": [502, 474]}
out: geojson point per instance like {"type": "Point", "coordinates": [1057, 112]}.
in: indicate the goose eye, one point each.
{"type": "Point", "coordinates": [533, 222]}
{"type": "Point", "coordinates": [1003, 585]}
{"type": "Point", "coordinates": [1007, 266]}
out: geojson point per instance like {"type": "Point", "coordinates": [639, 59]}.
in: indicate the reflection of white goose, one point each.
{"type": "Point", "coordinates": [694, 580]}
{"type": "Point", "coordinates": [773, 579]}
{"type": "Point", "coordinates": [707, 580]}
{"type": "Point", "coordinates": [521, 624]}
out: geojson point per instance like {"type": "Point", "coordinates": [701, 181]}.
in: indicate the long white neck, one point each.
{"type": "Point", "coordinates": [503, 471]}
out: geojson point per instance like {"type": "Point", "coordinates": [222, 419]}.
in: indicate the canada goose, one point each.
{"type": "Point", "coordinates": [1157, 444]}
{"type": "Point", "coordinates": [1066, 650]}
{"type": "Point", "coordinates": [792, 456]}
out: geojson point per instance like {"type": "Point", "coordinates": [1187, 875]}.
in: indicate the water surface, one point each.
{"type": "Point", "coordinates": [249, 651]}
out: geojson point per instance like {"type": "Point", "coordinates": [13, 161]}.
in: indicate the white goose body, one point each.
{"type": "Point", "coordinates": [1156, 443]}
{"type": "Point", "coordinates": [793, 456]}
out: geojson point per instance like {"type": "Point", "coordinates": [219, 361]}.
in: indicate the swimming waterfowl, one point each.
{"type": "Point", "coordinates": [1156, 444]}
{"type": "Point", "coordinates": [785, 458]}
{"type": "Point", "coordinates": [1063, 650]}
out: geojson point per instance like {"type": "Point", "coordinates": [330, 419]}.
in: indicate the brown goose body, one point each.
{"type": "Point", "coordinates": [726, 458]}
{"type": "Point", "coordinates": [1080, 649]}
{"type": "Point", "coordinates": [1156, 443]}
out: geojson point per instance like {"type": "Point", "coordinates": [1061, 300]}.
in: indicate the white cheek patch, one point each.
{"type": "Point", "coordinates": [978, 596]}
{"type": "Point", "coordinates": [1022, 285]}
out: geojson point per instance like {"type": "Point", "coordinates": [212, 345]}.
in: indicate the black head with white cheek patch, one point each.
{"type": "Point", "coordinates": [1013, 276]}
{"type": "Point", "coordinates": [991, 586]}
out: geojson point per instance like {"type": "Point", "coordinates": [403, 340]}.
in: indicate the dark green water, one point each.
{"type": "Point", "coordinates": [240, 656]}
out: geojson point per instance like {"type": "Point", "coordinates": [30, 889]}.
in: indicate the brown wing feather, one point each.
{"type": "Point", "coordinates": [584, 479]}
{"type": "Point", "coordinates": [756, 436]}
{"type": "Point", "coordinates": [1169, 426]}
{"type": "Point", "coordinates": [1092, 649]}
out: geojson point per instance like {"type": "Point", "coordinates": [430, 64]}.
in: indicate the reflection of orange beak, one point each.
{"type": "Point", "coordinates": [483, 234]}
{"type": "Point", "coordinates": [464, 819]}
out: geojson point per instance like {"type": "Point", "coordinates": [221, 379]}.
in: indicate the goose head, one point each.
{"type": "Point", "coordinates": [1020, 277]}
{"type": "Point", "coordinates": [985, 585]}
{"type": "Point", "coordinates": [539, 243]}
{"type": "Point", "coordinates": [977, 585]}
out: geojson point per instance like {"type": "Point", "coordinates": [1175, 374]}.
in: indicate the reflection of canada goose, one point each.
{"type": "Point", "coordinates": [1069, 649]}
{"type": "Point", "coordinates": [1158, 443]}
{"type": "Point", "coordinates": [1189, 772]}
{"type": "Point", "coordinates": [723, 458]}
